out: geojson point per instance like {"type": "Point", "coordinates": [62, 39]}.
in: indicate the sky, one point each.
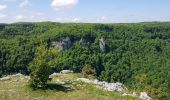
{"type": "Point", "coordinates": [87, 11]}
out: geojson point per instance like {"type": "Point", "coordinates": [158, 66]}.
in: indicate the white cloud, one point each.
{"type": "Point", "coordinates": [2, 16]}
{"type": "Point", "coordinates": [20, 17]}
{"type": "Point", "coordinates": [76, 19]}
{"type": "Point", "coordinates": [24, 3]}
{"type": "Point", "coordinates": [2, 7]}
{"type": "Point", "coordinates": [103, 18]}
{"type": "Point", "coordinates": [63, 4]}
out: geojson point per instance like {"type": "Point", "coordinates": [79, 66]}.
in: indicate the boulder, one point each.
{"type": "Point", "coordinates": [107, 86]}
{"type": "Point", "coordinates": [144, 96]}
{"type": "Point", "coordinates": [66, 71]}
{"type": "Point", "coordinates": [54, 74]}
{"type": "Point", "coordinates": [114, 87]}
{"type": "Point", "coordinates": [5, 78]}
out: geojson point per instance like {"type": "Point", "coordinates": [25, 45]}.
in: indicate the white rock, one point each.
{"type": "Point", "coordinates": [84, 80]}
{"type": "Point", "coordinates": [96, 81]}
{"type": "Point", "coordinates": [5, 78]}
{"type": "Point", "coordinates": [114, 87]}
{"type": "Point", "coordinates": [144, 96]}
{"type": "Point", "coordinates": [107, 86]}
{"type": "Point", "coordinates": [133, 94]}
{"type": "Point", "coordinates": [66, 71]}
{"type": "Point", "coordinates": [54, 74]}
{"type": "Point", "coordinates": [27, 77]}
{"type": "Point", "coordinates": [18, 74]}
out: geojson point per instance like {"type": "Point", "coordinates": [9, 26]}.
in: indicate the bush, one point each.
{"type": "Point", "coordinates": [40, 67]}
{"type": "Point", "coordinates": [88, 70]}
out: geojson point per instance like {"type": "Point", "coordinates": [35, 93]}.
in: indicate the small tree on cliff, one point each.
{"type": "Point", "coordinates": [39, 67]}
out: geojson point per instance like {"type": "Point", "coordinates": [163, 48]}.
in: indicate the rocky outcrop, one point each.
{"type": "Point", "coordinates": [132, 95]}
{"type": "Point", "coordinates": [5, 78]}
{"type": "Point", "coordinates": [66, 71]}
{"type": "Point", "coordinates": [10, 77]}
{"type": "Point", "coordinates": [119, 87]}
{"type": "Point", "coordinates": [62, 44]}
{"type": "Point", "coordinates": [57, 45]}
{"type": "Point", "coordinates": [104, 85]}
{"type": "Point", "coordinates": [144, 96]}
{"type": "Point", "coordinates": [102, 44]}
{"type": "Point", "coordinates": [67, 43]}
{"type": "Point", "coordinates": [61, 72]}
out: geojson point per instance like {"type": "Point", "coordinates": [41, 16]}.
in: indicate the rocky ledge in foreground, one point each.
{"type": "Point", "coordinates": [119, 87]}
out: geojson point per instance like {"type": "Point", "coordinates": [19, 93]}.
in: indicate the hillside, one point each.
{"type": "Point", "coordinates": [137, 55]}
{"type": "Point", "coordinates": [62, 87]}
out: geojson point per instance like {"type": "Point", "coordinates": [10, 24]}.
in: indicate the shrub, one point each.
{"type": "Point", "coordinates": [88, 70]}
{"type": "Point", "coordinates": [40, 67]}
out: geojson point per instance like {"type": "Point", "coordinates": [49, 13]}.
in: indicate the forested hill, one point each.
{"type": "Point", "coordinates": [137, 55]}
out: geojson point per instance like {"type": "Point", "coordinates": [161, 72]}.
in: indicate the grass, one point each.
{"type": "Point", "coordinates": [60, 88]}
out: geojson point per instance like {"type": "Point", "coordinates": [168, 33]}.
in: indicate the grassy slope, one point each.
{"type": "Point", "coordinates": [17, 89]}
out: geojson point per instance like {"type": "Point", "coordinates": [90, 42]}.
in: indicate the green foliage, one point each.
{"type": "Point", "coordinates": [88, 70]}
{"type": "Point", "coordinates": [39, 67]}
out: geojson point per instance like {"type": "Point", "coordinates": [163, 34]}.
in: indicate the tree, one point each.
{"type": "Point", "coordinates": [39, 67]}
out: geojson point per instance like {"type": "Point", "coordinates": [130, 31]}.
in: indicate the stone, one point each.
{"type": "Point", "coordinates": [84, 80]}
{"type": "Point", "coordinates": [27, 77]}
{"type": "Point", "coordinates": [53, 75]}
{"type": "Point", "coordinates": [114, 87]}
{"type": "Point", "coordinates": [16, 75]}
{"type": "Point", "coordinates": [66, 71]}
{"type": "Point", "coordinates": [107, 86]}
{"type": "Point", "coordinates": [132, 95]}
{"type": "Point", "coordinates": [144, 96]}
{"type": "Point", "coordinates": [5, 78]}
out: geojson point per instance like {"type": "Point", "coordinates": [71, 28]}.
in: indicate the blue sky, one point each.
{"type": "Point", "coordinates": [91, 11]}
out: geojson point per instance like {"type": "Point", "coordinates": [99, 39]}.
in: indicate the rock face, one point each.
{"type": "Point", "coordinates": [62, 44]}
{"type": "Point", "coordinates": [102, 44]}
{"type": "Point", "coordinates": [66, 71]}
{"type": "Point", "coordinates": [67, 43]}
{"type": "Point", "coordinates": [57, 45]}
{"type": "Point", "coordinates": [144, 96]}
{"type": "Point", "coordinates": [107, 86]}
